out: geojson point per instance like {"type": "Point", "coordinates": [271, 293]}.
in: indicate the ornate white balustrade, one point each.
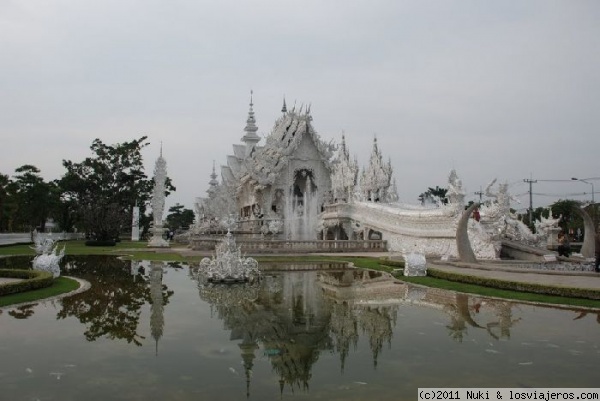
{"type": "Point", "coordinates": [298, 246]}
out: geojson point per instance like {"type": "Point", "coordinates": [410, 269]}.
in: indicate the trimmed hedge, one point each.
{"type": "Point", "coordinates": [32, 280]}
{"type": "Point", "coordinates": [516, 286]}
{"type": "Point", "coordinates": [100, 243]}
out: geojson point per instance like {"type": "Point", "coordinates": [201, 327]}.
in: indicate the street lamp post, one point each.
{"type": "Point", "coordinates": [593, 202]}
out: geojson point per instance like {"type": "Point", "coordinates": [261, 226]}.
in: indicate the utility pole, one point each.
{"type": "Point", "coordinates": [480, 193]}
{"type": "Point", "coordinates": [530, 182]}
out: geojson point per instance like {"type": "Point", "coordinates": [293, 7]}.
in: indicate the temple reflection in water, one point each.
{"type": "Point", "coordinates": [348, 333]}
{"type": "Point", "coordinates": [294, 316]}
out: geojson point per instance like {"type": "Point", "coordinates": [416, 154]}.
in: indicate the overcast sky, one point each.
{"type": "Point", "coordinates": [495, 89]}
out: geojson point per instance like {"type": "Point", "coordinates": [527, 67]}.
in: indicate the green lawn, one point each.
{"type": "Point", "coordinates": [78, 248]}
{"type": "Point", "coordinates": [61, 285]}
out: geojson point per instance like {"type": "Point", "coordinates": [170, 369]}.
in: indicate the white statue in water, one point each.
{"type": "Point", "coordinates": [48, 256]}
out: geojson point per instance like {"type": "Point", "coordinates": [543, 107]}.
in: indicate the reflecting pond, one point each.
{"type": "Point", "coordinates": [153, 331]}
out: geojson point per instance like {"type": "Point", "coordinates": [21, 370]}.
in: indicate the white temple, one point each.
{"type": "Point", "coordinates": [288, 179]}
{"type": "Point", "coordinates": [297, 187]}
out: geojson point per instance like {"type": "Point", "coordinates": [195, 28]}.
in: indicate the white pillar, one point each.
{"type": "Point", "coordinates": [135, 224]}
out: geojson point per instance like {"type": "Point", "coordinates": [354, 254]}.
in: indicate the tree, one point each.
{"type": "Point", "coordinates": [570, 219]}
{"type": "Point", "coordinates": [33, 199]}
{"type": "Point", "coordinates": [536, 214]}
{"type": "Point", "coordinates": [5, 202]}
{"type": "Point", "coordinates": [179, 217]}
{"type": "Point", "coordinates": [102, 190]}
{"type": "Point", "coordinates": [432, 194]}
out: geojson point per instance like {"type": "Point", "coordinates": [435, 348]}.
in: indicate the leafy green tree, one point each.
{"type": "Point", "coordinates": [570, 219]}
{"type": "Point", "coordinates": [33, 199]}
{"type": "Point", "coordinates": [98, 194]}
{"type": "Point", "coordinates": [5, 202]}
{"type": "Point", "coordinates": [101, 191]}
{"type": "Point", "coordinates": [179, 217]}
{"type": "Point", "coordinates": [432, 194]}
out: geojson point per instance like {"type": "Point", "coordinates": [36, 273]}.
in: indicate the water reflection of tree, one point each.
{"type": "Point", "coordinates": [112, 306]}
{"type": "Point", "coordinates": [22, 312]}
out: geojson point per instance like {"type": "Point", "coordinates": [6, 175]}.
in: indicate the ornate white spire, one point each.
{"type": "Point", "coordinates": [213, 183]}
{"type": "Point", "coordinates": [158, 201]}
{"type": "Point", "coordinates": [344, 174]}
{"type": "Point", "coordinates": [377, 178]}
{"type": "Point", "coordinates": [250, 137]}
{"type": "Point", "coordinates": [284, 108]}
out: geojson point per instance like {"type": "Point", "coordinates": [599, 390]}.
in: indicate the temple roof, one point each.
{"type": "Point", "coordinates": [239, 150]}
{"type": "Point", "coordinates": [227, 174]}
{"type": "Point", "coordinates": [267, 162]}
{"type": "Point", "coordinates": [234, 164]}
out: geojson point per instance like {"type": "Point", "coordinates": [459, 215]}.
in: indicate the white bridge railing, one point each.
{"type": "Point", "coordinates": [298, 246]}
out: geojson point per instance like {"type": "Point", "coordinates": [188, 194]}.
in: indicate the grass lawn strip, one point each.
{"type": "Point", "coordinates": [62, 286]}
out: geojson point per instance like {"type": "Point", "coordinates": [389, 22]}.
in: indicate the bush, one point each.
{"type": "Point", "coordinates": [32, 280]}
{"type": "Point", "coordinates": [100, 243]}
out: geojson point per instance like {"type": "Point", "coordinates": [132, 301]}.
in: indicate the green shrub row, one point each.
{"type": "Point", "coordinates": [32, 280]}
{"type": "Point", "coordinates": [516, 286]}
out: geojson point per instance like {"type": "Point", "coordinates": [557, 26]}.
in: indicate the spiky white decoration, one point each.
{"type": "Point", "coordinates": [48, 258]}
{"type": "Point", "coordinates": [344, 175]}
{"type": "Point", "coordinates": [376, 179]}
{"type": "Point", "coordinates": [228, 265]}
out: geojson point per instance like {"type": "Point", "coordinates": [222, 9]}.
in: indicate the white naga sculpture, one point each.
{"type": "Point", "coordinates": [48, 256]}
{"type": "Point", "coordinates": [158, 203]}
{"type": "Point", "coordinates": [501, 223]}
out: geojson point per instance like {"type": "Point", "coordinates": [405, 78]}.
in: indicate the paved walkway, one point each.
{"type": "Point", "coordinates": [6, 280]}
{"type": "Point", "coordinates": [584, 280]}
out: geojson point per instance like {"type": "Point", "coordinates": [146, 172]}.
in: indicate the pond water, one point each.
{"type": "Point", "coordinates": [152, 331]}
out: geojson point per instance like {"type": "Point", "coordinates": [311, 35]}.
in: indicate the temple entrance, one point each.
{"type": "Point", "coordinates": [302, 207]}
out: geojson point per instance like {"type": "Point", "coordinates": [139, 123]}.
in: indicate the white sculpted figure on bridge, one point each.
{"type": "Point", "coordinates": [456, 193]}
